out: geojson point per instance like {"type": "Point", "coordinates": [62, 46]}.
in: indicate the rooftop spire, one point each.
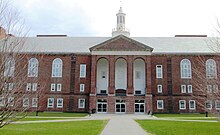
{"type": "Point", "coordinates": [120, 28]}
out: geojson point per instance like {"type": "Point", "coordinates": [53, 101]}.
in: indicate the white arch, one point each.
{"type": "Point", "coordinates": [139, 76]}
{"type": "Point", "coordinates": [33, 67]}
{"type": "Point", "coordinates": [57, 66]}
{"type": "Point", "coordinates": [211, 71]}
{"type": "Point", "coordinates": [121, 74]}
{"type": "Point", "coordinates": [185, 68]}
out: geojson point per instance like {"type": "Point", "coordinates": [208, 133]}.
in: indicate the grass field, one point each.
{"type": "Point", "coordinates": [179, 115]}
{"type": "Point", "coordinates": [58, 114]}
{"type": "Point", "coordinates": [42, 118]}
{"type": "Point", "coordinates": [157, 127]}
{"type": "Point", "coordinates": [60, 128]}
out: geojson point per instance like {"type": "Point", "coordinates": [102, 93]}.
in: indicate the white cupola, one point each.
{"type": "Point", "coordinates": [120, 28]}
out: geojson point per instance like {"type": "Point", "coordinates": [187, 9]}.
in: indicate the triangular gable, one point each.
{"type": "Point", "coordinates": [121, 43]}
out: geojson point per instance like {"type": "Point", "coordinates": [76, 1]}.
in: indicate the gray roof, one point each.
{"type": "Point", "coordinates": [160, 45]}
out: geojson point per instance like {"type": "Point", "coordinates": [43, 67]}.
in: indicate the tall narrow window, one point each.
{"type": "Point", "coordinates": [59, 87]}
{"type": "Point", "coordinates": [185, 67]}
{"type": "Point", "coordinates": [33, 67]}
{"type": "Point", "coordinates": [159, 88]}
{"type": "Point", "coordinates": [34, 102]}
{"type": "Point", "coordinates": [2, 101]}
{"type": "Point", "coordinates": [9, 67]}
{"type": "Point", "coordinates": [82, 87]}
{"type": "Point", "coordinates": [183, 88]}
{"type": "Point", "coordinates": [57, 67]}
{"type": "Point", "coordinates": [25, 102]}
{"type": "Point", "coordinates": [211, 71]}
{"type": "Point", "coordinates": [81, 103]}
{"type": "Point", "coordinates": [190, 89]}
{"type": "Point", "coordinates": [208, 105]}
{"type": "Point", "coordinates": [159, 71]}
{"type": "Point", "coordinates": [159, 104]}
{"type": "Point", "coordinates": [192, 104]}
{"type": "Point", "coordinates": [59, 102]}
{"type": "Point", "coordinates": [182, 104]}
{"type": "Point", "coordinates": [82, 70]}
{"type": "Point", "coordinates": [50, 102]}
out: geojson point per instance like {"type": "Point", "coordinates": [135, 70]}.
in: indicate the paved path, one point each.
{"type": "Point", "coordinates": [122, 124]}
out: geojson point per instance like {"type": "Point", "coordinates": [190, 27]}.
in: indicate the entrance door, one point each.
{"type": "Point", "coordinates": [101, 106]}
{"type": "Point", "coordinates": [139, 106]}
{"type": "Point", "coordinates": [120, 106]}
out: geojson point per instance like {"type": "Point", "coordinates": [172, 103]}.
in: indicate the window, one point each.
{"type": "Point", "coordinates": [50, 102]}
{"type": "Point", "coordinates": [34, 102]}
{"type": "Point", "coordinates": [159, 104]}
{"type": "Point", "coordinates": [59, 103]}
{"type": "Point", "coordinates": [215, 88]}
{"type": "Point", "coordinates": [59, 87]}
{"type": "Point", "coordinates": [2, 101]}
{"type": "Point", "coordinates": [9, 86]}
{"type": "Point", "coordinates": [82, 87]}
{"type": "Point", "coordinates": [81, 103]}
{"type": "Point", "coordinates": [185, 68]}
{"type": "Point", "coordinates": [57, 67]}
{"type": "Point", "coordinates": [33, 67]}
{"type": "Point", "coordinates": [182, 104]}
{"type": "Point", "coordinates": [159, 71]}
{"type": "Point", "coordinates": [189, 88]}
{"type": "Point", "coordinates": [217, 105]}
{"type": "Point", "coordinates": [192, 104]}
{"type": "Point", "coordinates": [9, 67]}
{"type": "Point", "coordinates": [159, 88]}
{"type": "Point", "coordinates": [25, 102]}
{"type": "Point", "coordinates": [211, 71]}
{"type": "Point", "coordinates": [208, 105]}
{"type": "Point", "coordinates": [52, 87]}
{"type": "Point", "coordinates": [82, 70]}
{"type": "Point", "coordinates": [183, 88]}
{"type": "Point", "coordinates": [28, 87]}
{"type": "Point", "coordinates": [34, 86]}
{"type": "Point", "coordinates": [209, 88]}
{"type": "Point", "coordinates": [11, 101]}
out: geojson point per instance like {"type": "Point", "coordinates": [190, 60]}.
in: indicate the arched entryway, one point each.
{"type": "Point", "coordinates": [121, 74]}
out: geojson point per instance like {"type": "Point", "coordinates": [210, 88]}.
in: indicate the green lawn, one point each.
{"type": "Point", "coordinates": [58, 114]}
{"type": "Point", "coordinates": [179, 115]}
{"type": "Point", "coordinates": [157, 127]}
{"type": "Point", "coordinates": [41, 118]}
{"type": "Point", "coordinates": [59, 128]}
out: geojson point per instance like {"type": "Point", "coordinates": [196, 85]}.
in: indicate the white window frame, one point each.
{"type": "Point", "coordinates": [34, 86]}
{"type": "Point", "coordinates": [215, 88]}
{"type": "Point", "coordinates": [209, 88]}
{"type": "Point", "coordinates": [24, 102]}
{"type": "Point", "coordinates": [9, 101]}
{"type": "Point", "coordinates": [53, 87]}
{"type": "Point", "coordinates": [158, 107]}
{"type": "Point", "coordinates": [57, 67]}
{"type": "Point", "coordinates": [211, 70]}
{"type": "Point", "coordinates": [10, 86]}
{"type": "Point", "coordinates": [79, 105]}
{"type": "Point", "coordinates": [216, 105]}
{"type": "Point", "coordinates": [58, 104]}
{"type": "Point", "coordinates": [82, 87]}
{"type": "Point", "coordinates": [184, 107]}
{"type": "Point", "coordinates": [159, 88]}
{"type": "Point", "coordinates": [50, 105]}
{"type": "Point", "coordinates": [183, 88]}
{"type": "Point", "coordinates": [209, 102]}
{"type": "Point", "coordinates": [159, 71]}
{"type": "Point", "coordinates": [59, 87]}
{"type": "Point", "coordinates": [9, 67]}
{"type": "Point", "coordinates": [190, 89]}
{"type": "Point", "coordinates": [34, 102]}
{"type": "Point", "coordinates": [28, 87]}
{"type": "Point", "coordinates": [2, 103]}
{"type": "Point", "coordinates": [194, 104]}
{"type": "Point", "coordinates": [82, 70]}
{"type": "Point", "coordinates": [33, 67]}
{"type": "Point", "coordinates": [185, 69]}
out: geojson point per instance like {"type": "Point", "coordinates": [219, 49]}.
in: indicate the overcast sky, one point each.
{"type": "Point", "coordinates": [144, 18]}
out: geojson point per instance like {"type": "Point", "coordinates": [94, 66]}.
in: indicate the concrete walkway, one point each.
{"type": "Point", "coordinates": [122, 124]}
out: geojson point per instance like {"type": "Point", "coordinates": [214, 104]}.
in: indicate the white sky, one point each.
{"type": "Point", "coordinates": [144, 18]}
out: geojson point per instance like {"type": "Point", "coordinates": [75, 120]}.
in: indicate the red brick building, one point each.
{"type": "Point", "coordinates": [119, 74]}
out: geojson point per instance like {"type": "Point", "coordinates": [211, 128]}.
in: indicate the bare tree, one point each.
{"type": "Point", "coordinates": [19, 84]}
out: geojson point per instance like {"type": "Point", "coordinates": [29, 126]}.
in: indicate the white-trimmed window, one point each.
{"type": "Point", "coordinates": [59, 87]}
{"type": "Point", "coordinates": [11, 101]}
{"type": "Point", "coordinates": [34, 102]}
{"type": "Point", "coordinates": [192, 104]}
{"type": "Point", "coordinates": [159, 88]}
{"type": "Point", "coordinates": [159, 71]}
{"type": "Point", "coordinates": [9, 67]}
{"type": "Point", "coordinates": [52, 87]}
{"type": "Point", "coordinates": [59, 102]}
{"type": "Point", "coordinates": [190, 89]}
{"type": "Point", "coordinates": [25, 102]}
{"type": "Point", "coordinates": [183, 88]}
{"type": "Point", "coordinates": [182, 104]}
{"type": "Point", "coordinates": [159, 104]}
{"type": "Point", "coordinates": [211, 70]}
{"type": "Point", "coordinates": [81, 103]}
{"type": "Point", "coordinates": [2, 101]}
{"type": "Point", "coordinates": [185, 68]}
{"type": "Point", "coordinates": [82, 87]}
{"type": "Point", "coordinates": [215, 88]}
{"type": "Point", "coordinates": [217, 105]}
{"type": "Point", "coordinates": [209, 88]}
{"type": "Point", "coordinates": [82, 70]}
{"type": "Point", "coordinates": [57, 66]}
{"type": "Point", "coordinates": [34, 86]}
{"type": "Point", "coordinates": [33, 67]}
{"type": "Point", "coordinates": [50, 102]}
{"type": "Point", "coordinates": [28, 87]}
{"type": "Point", "coordinates": [208, 105]}
{"type": "Point", "coordinates": [10, 86]}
